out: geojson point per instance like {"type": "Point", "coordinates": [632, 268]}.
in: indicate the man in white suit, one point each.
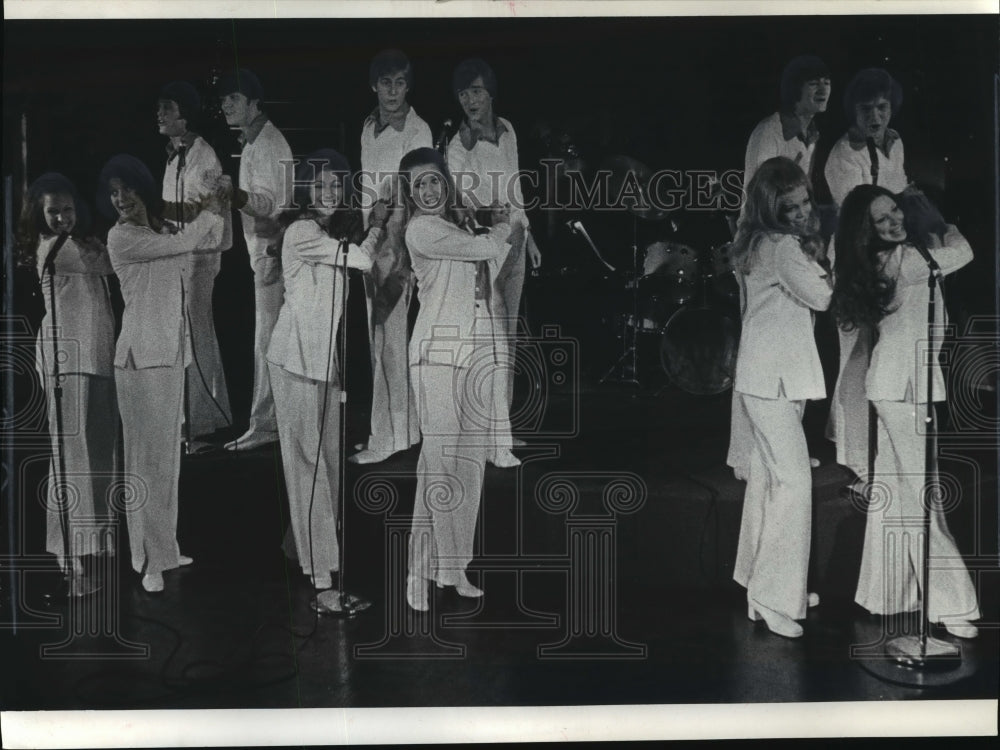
{"type": "Point", "coordinates": [265, 187]}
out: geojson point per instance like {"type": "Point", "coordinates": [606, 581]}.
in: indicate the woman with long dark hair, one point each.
{"type": "Point", "coordinates": [321, 235]}
{"type": "Point", "coordinates": [881, 283]}
{"type": "Point", "coordinates": [453, 358]}
{"type": "Point", "coordinates": [152, 261]}
{"type": "Point", "coordinates": [76, 343]}
{"type": "Point", "coordinates": [781, 265]}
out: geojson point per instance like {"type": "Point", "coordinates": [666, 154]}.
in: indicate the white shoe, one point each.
{"type": "Point", "coordinates": [517, 442]}
{"type": "Point", "coordinates": [153, 582]}
{"type": "Point", "coordinates": [812, 600]}
{"type": "Point", "coordinates": [369, 457]}
{"type": "Point", "coordinates": [813, 462]}
{"type": "Point", "coordinates": [251, 440]}
{"type": "Point", "coordinates": [464, 588]}
{"type": "Point", "coordinates": [184, 560]}
{"type": "Point", "coordinates": [504, 459]}
{"type": "Point", "coordinates": [961, 628]}
{"type": "Point", "coordinates": [416, 594]}
{"type": "Point", "coordinates": [776, 622]}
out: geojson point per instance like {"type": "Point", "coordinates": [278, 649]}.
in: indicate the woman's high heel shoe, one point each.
{"type": "Point", "coordinates": [960, 628]}
{"type": "Point", "coordinates": [464, 588]}
{"type": "Point", "coordinates": [776, 622]}
{"type": "Point", "coordinates": [416, 594]}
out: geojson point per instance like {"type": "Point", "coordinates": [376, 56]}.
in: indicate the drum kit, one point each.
{"type": "Point", "coordinates": [681, 302]}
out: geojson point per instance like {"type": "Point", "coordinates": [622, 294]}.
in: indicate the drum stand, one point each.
{"type": "Point", "coordinates": [626, 369]}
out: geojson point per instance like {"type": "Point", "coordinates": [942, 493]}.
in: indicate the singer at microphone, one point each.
{"type": "Point", "coordinates": [442, 141]}
{"type": "Point", "coordinates": [75, 352]}
{"type": "Point", "coordinates": [322, 235]}
{"type": "Point", "coordinates": [882, 283]}
{"type": "Point", "coordinates": [188, 190]}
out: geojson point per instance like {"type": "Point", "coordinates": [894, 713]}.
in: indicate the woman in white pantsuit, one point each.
{"type": "Point", "coordinates": [452, 351]}
{"type": "Point", "coordinates": [882, 282]}
{"type": "Point", "coordinates": [782, 268]}
{"type": "Point", "coordinates": [78, 332]}
{"type": "Point", "coordinates": [303, 361]}
{"type": "Point", "coordinates": [153, 349]}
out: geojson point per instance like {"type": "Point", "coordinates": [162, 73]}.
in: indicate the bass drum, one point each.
{"type": "Point", "coordinates": [698, 350]}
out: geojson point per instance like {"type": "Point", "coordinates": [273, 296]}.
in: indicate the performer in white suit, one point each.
{"type": "Point", "coordinates": [191, 162]}
{"type": "Point", "coordinates": [482, 158]}
{"type": "Point", "coordinates": [75, 339]}
{"type": "Point", "coordinates": [870, 152]}
{"type": "Point", "coordinates": [303, 359]}
{"type": "Point", "coordinates": [455, 334]}
{"type": "Point", "coordinates": [882, 282]}
{"type": "Point", "coordinates": [392, 130]}
{"type": "Point", "coordinates": [790, 132]}
{"type": "Point", "coordinates": [153, 349]}
{"type": "Point", "coordinates": [781, 265]}
{"type": "Point", "coordinates": [265, 188]}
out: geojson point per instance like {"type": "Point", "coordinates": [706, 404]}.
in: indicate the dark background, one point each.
{"type": "Point", "coordinates": [676, 93]}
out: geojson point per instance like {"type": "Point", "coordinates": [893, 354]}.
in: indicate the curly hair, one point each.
{"type": "Point", "coordinates": [868, 84]}
{"type": "Point", "coordinates": [775, 178]}
{"type": "Point", "coordinates": [31, 225]}
{"type": "Point", "coordinates": [862, 293]}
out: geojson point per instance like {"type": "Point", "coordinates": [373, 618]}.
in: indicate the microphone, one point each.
{"type": "Point", "coordinates": [443, 138]}
{"type": "Point", "coordinates": [577, 228]}
{"type": "Point", "coordinates": [929, 259]}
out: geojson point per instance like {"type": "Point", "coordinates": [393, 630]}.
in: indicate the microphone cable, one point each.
{"type": "Point", "coordinates": [341, 251]}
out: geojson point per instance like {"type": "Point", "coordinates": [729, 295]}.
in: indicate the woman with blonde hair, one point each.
{"type": "Point", "coordinates": [782, 268]}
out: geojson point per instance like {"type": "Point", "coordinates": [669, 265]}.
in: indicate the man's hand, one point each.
{"type": "Point", "coordinates": [379, 214]}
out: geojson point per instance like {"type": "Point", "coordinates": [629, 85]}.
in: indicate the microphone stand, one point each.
{"type": "Point", "coordinates": [341, 603]}
{"type": "Point", "coordinates": [57, 391]}
{"type": "Point", "coordinates": [922, 651]}
{"type": "Point", "coordinates": [626, 369]}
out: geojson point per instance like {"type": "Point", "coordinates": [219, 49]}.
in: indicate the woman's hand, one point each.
{"type": "Point", "coordinates": [500, 214]}
{"type": "Point", "coordinates": [951, 235]}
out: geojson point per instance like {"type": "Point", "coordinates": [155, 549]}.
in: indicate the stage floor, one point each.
{"type": "Point", "coordinates": [606, 559]}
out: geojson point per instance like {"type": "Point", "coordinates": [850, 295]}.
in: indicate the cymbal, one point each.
{"type": "Point", "coordinates": [628, 187]}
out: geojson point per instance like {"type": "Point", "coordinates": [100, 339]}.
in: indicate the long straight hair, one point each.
{"type": "Point", "coordinates": [762, 212]}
